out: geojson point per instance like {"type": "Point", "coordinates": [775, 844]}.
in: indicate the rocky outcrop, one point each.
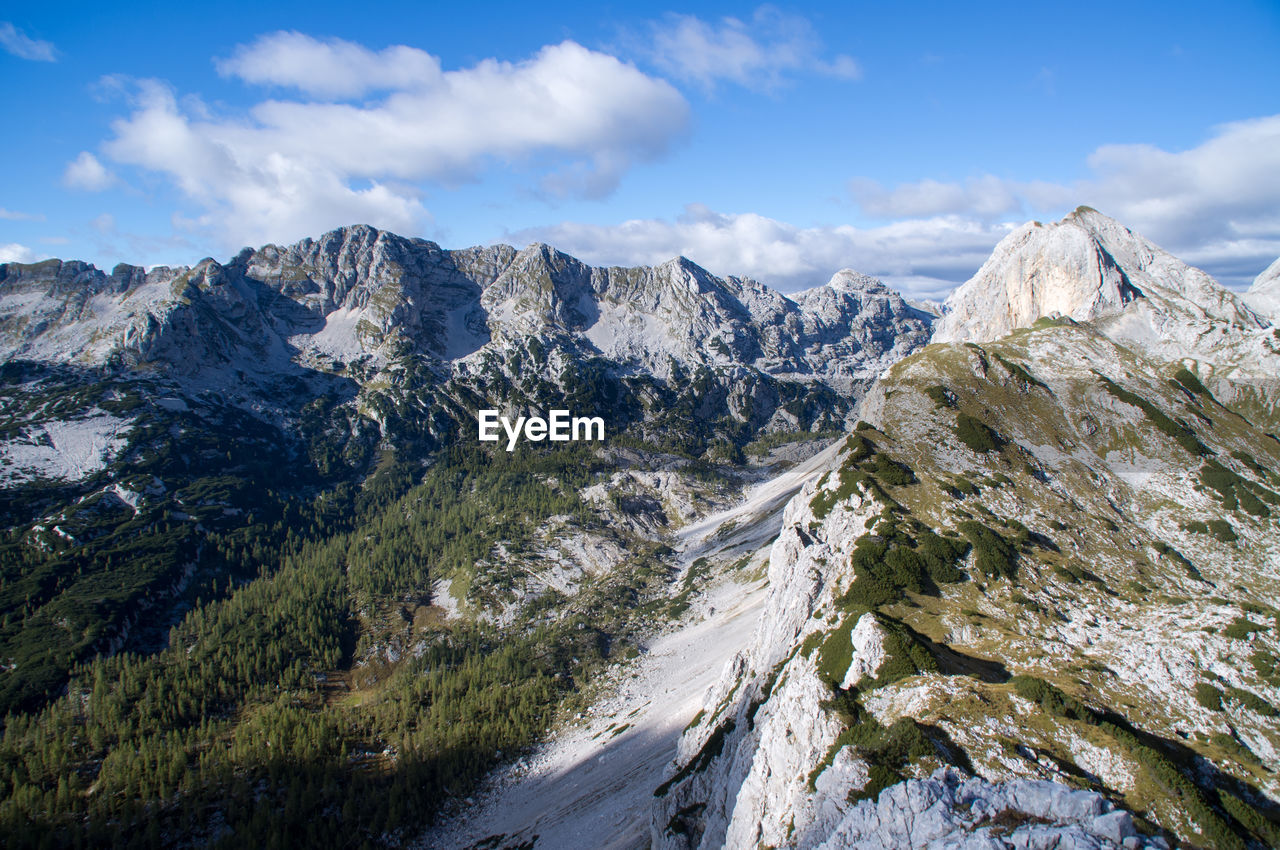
{"type": "Point", "coordinates": [1088, 267]}
{"type": "Point", "coordinates": [1263, 296]}
{"type": "Point", "coordinates": [951, 811]}
{"type": "Point", "coordinates": [1062, 269]}
{"type": "Point", "coordinates": [360, 292]}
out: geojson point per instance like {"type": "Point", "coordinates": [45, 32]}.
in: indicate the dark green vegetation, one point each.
{"type": "Point", "coordinates": [240, 732]}
{"type": "Point", "coordinates": [865, 467]}
{"type": "Point", "coordinates": [253, 593]}
{"type": "Point", "coordinates": [241, 647]}
{"type": "Point", "coordinates": [976, 434]}
{"type": "Point", "coordinates": [1020, 372]}
{"type": "Point", "coordinates": [1219, 528]}
{"type": "Point", "coordinates": [79, 566]}
{"type": "Point", "coordinates": [1020, 576]}
{"type": "Point", "coordinates": [710, 750]}
{"type": "Point", "coordinates": [897, 557]}
{"type": "Point", "coordinates": [941, 396]}
{"type": "Point", "coordinates": [901, 555]}
{"type": "Point", "coordinates": [887, 750]}
{"type": "Point", "coordinates": [1192, 384]}
{"type": "Point", "coordinates": [1237, 492]}
{"type": "Point", "coordinates": [1177, 430]}
{"type": "Point", "coordinates": [1228, 813]}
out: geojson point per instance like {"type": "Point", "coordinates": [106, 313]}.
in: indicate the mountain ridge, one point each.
{"type": "Point", "coordinates": [241, 501]}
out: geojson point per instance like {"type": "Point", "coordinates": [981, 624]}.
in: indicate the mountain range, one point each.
{"type": "Point", "coordinates": [1013, 566]}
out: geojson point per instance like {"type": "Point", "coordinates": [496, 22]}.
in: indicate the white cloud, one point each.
{"type": "Point", "coordinates": [1227, 188]}
{"type": "Point", "coordinates": [87, 173]}
{"type": "Point", "coordinates": [757, 54]}
{"type": "Point", "coordinates": [16, 215]}
{"type": "Point", "coordinates": [329, 68]}
{"type": "Point", "coordinates": [15, 41]}
{"type": "Point", "coordinates": [291, 168]}
{"type": "Point", "coordinates": [1215, 205]}
{"type": "Point", "coordinates": [925, 258]}
{"type": "Point", "coordinates": [15, 253]}
{"type": "Point", "coordinates": [982, 196]}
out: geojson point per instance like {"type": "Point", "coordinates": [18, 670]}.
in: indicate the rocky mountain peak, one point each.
{"type": "Point", "coordinates": [1089, 267]}
{"type": "Point", "coordinates": [1069, 268]}
{"type": "Point", "coordinates": [1263, 296]}
{"type": "Point", "coordinates": [848, 280]}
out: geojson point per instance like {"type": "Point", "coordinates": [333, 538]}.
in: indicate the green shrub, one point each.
{"type": "Point", "coordinates": [836, 652]}
{"type": "Point", "coordinates": [891, 561]}
{"type": "Point", "coordinates": [1167, 551]}
{"type": "Point", "coordinates": [1020, 372]}
{"type": "Point", "coordinates": [1222, 530]}
{"type": "Point", "coordinates": [1218, 528]}
{"type": "Point", "coordinates": [1251, 817]}
{"type": "Point", "coordinates": [891, 471]}
{"type": "Point", "coordinates": [1192, 798]}
{"type": "Point", "coordinates": [993, 554]}
{"type": "Point", "coordinates": [904, 654]}
{"type": "Point", "coordinates": [1025, 601]}
{"type": "Point", "coordinates": [824, 500]}
{"type": "Point", "coordinates": [1249, 461]}
{"type": "Point", "coordinates": [1241, 628]}
{"type": "Point", "coordinates": [1266, 665]}
{"type": "Point", "coordinates": [886, 750]}
{"type": "Point", "coordinates": [1069, 573]}
{"type": "Point", "coordinates": [1049, 698]}
{"type": "Point", "coordinates": [1209, 696]}
{"type": "Point", "coordinates": [975, 434]}
{"type": "Point", "coordinates": [710, 751]}
{"type": "Point", "coordinates": [942, 397]}
{"type": "Point", "coordinates": [1234, 490]}
{"type": "Point", "coordinates": [1252, 701]}
{"type": "Point", "coordinates": [859, 447]}
{"type": "Point", "coordinates": [1179, 431]}
{"type": "Point", "coordinates": [1191, 382]}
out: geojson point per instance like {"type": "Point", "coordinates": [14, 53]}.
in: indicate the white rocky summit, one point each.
{"type": "Point", "coordinates": [1089, 267]}
{"type": "Point", "coordinates": [1264, 295]}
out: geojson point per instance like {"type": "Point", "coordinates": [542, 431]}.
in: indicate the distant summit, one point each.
{"type": "Point", "coordinates": [1264, 295]}
{"type": "Point", "coordinates": [1087, 266]}
{"type": "Point", "coordinates": [1091, 268]}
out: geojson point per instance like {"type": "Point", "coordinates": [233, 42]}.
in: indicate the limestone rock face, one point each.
{"type": "Point", "coordinates": [949, 810]}
{"type": "Point", "coordinates": [678, 313]}
{"type": "Point", "coordinates": [1263, 296]}
{"type": "Point", "coordinates": [1090, 268]}
{"type": "Point", "coordinates": [1060, 269]}
{"type": "Point", "coordinates": [759, 737]}
{"type": "Point", "coordinates": [360, 293]}
{"type": "Point", "coordinates": [399, 325]}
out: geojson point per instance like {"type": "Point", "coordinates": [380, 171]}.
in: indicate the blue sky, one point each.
{"type": "Point", "coordinates": [782, 142]}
